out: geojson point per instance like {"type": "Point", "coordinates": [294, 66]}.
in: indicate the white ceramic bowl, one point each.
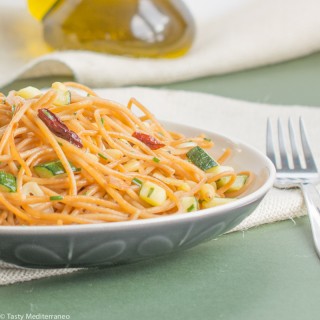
{"type": "Point", "coordinates": [123, 242]}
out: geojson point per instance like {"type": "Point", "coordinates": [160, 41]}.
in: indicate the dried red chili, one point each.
{"type": "Point", "coordinates": [57, 127]}
{"type": "Point", "coordinates": [148, 140]}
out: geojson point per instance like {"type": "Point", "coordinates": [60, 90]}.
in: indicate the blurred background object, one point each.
{"type": "Point", "coordinates": [147, 28]}
{"type": "Point", "coordinates": [230, 36]}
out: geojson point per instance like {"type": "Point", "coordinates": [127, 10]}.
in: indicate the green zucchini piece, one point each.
{"type": "Point", "coordinates": [29, 92]}
{"type": "Point", "coordinates": [8, 182]}
{"type": "Point", "coordinates": [219, 169]}
{"type": "Point", "coordinates": [237, 185]}
{"type": "Point", "coordinates": [189, 204]}
{"type": "Point", "coordinates": [63, 94]}
{"type": "Point", "coordinates": [216, 202]}
{"type": "Point", "coordinates": [51, 169]}
{"type": "Point", "coordinates": [201, 158]}
{"type": "Point", "coordinates": [63, 98]}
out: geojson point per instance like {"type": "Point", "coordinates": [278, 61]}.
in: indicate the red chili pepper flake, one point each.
{"type": "Point", "coordinates": [148, 140]}
{"type": "Point", "coordinates": [57, 127]}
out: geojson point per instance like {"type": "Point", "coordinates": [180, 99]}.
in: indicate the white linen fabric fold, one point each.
{"type": "Point", "coordinates": [240, 120]}
{"type": "Point", "coordinates": [232, 35]}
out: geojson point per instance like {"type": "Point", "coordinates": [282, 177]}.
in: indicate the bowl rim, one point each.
{"type": "Point", "coordinates": [174, 218]}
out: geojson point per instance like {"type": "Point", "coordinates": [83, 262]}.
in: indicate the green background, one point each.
{"type": "Point", "coordinates": [268, 272]}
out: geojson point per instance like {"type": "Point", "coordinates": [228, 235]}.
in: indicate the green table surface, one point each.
{"type": "Point", "coordinates": [268, 272]}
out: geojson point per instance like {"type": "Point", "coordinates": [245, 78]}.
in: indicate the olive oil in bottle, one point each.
{"type": "Point", "coordinates": [143, 28]}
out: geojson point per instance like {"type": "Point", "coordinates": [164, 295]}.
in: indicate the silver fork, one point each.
{"type": "Point", "coordinates": [297, 170]}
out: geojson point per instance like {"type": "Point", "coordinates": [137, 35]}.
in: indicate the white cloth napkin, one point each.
{"type": "Point", "coordinates": [231, 35]}
{"type": "Point", "coordinates": [236, 119]}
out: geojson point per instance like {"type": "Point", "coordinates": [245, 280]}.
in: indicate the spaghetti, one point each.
{"type": "Point", "coordinates": [73, 158]}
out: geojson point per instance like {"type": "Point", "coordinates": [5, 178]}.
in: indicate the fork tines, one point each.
{"type": "Point", "coordinates": [289, 155]}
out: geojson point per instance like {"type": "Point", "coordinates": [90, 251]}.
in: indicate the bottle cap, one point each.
{"type": "Point", "coordinates": [39, 9]}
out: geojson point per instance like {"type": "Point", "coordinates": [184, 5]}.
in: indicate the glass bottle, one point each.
{"type": "Point", "coordinates": [143, 28]}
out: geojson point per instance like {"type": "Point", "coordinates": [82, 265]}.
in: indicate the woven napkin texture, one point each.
{"type": "Point", "coordinates": [244, 121]}
{"type": "Point", "coordinates": [231, 35]}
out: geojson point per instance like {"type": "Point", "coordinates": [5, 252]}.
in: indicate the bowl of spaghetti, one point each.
{"type": "Point", "coordinates": [86, 181]}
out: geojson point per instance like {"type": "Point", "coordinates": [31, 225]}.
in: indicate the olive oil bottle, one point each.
{"type": "Point", "coordinates": [142, 28]}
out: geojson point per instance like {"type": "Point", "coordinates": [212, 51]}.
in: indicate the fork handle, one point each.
{"type": "Point", "coordinates": [312, 201]}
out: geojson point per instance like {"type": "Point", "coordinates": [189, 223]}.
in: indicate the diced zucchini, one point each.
{"type": "Point", "coordinates": [137, 182]}
{"type": "Point", "coordinates": [29, 92]}
{"type": "Point", "coordinates": [8, 182]}
{"type": "Point", "coordinates": [216, 202]}
{"type": "Point", "coordinates": [56, 198]}
{"type": "Point", "coordinates": [59, 86]}
{"type": "Point", "coordinates": [189, 204]}
{"type": "Point", "coordinates": [219, 169]}
{"type": "Point", "coordinates": [32, 188]}
{"type": "Point", "coordinates": [63, 94]}
{"type": "Point", "coordinates": [201, 158]}
{"type": "Point", "coordinates": [132, 165]}
{"type": "Point", "coordinates": [184, 187]}
{"type": "Point", "coordinates": [152, 194]}
{"type": "Point", "coordinates": [63, 98]}
{"type": "Point", "coordinates": [51, 169]}
{"type": "Point", "coordinates": [237, 185]}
